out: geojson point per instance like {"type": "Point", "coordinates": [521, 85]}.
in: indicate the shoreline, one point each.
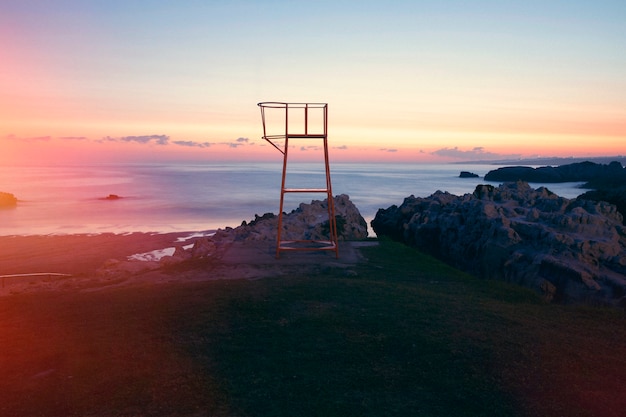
{"type": "Point", "coordinates": [98, 261]}
{"type": "Point", "coordinates": [78, 254]}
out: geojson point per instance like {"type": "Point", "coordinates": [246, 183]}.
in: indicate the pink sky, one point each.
{"type": "Point", "coordinates": [84, 82]}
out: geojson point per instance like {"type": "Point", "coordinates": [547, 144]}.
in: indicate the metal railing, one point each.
{"type": "Point", "coordinates": [36, 274]}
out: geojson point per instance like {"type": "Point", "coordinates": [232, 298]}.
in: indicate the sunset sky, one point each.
{"type": "Point", "coordinates": [426, 81]}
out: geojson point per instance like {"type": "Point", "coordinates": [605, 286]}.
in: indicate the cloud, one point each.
{"type": "Point", "coordinates": [477, 153]}
{"type": "Point", "coordinates": [191, 144]}
{"type": "Point", "coordinates": [388, 150]}
{"type": "Point", "coordinates": [145, 139]}
{"type": "Point", "coordinates": [310, 147]}
{"type": "Point", "coordinates": [342, 147]}
{"type": "Point", "coordinates": [237, 143]}
{"type": "Point", "coordinates": [158, 139]}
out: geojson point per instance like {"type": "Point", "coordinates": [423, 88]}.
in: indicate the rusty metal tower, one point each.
{"type": "Point", "coordinates": [283, 122]}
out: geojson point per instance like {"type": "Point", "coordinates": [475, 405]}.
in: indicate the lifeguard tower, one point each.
{"type": "Point", "coordinates": [285, 122]}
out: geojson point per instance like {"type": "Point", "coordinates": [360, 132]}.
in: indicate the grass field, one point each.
{"type": "Point", "coordinates": [399, 335]}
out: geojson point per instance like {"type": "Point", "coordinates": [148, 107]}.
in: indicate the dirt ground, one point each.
{"type": "Point", "coordinates": [81, 258]}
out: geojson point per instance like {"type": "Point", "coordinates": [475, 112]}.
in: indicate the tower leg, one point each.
{"type": "Point", "coordinates": [332, 219]}
{"type": "Point", "coordinates": [282, 200]}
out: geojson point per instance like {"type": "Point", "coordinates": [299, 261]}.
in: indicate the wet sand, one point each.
{"type": "Point", "coordinates": [75, 254]}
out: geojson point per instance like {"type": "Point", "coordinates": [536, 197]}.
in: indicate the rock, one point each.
{"type": "Point", "coordinates": [181, 253]}
{"type": "Point", "coordinates": [569, 250]}
{"type": "Point", "coordinates": [202, 248]}
{"type": "Point", "coordinates": [112, 197]}
{"type": "Point", "coordinates": [307, 222]}
{"type": "Point", "coordinates": [613, 195]}
{"type": "Point", "coordinates": [117, 268]}
{"type": "Point", "coordinates": [7, 200]}
{"type": "Point", "coordinates": [467, 174]}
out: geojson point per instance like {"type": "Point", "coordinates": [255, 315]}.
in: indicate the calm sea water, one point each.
{"type": "Point", "coordinates": [199, 197]}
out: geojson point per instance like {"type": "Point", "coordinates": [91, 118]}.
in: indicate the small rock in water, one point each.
{"type": "Point", "coordinates": [7, 200]}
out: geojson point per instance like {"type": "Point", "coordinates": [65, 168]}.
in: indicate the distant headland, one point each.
{"type": "Point", "coordinates": [596, 175]}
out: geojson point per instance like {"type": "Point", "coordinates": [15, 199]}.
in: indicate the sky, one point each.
{"type": "Point", "coordinates": [90, 81]}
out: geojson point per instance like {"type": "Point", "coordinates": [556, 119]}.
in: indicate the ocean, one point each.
{"type": "Point", "coordinates": [178, 197]}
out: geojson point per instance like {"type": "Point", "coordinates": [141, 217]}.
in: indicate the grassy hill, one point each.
{"type": "Point", "coordinates": [399, 335]}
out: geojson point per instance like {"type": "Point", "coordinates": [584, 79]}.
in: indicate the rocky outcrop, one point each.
{"type": "Point", "coordinates": [596, 174]}
{"type": "Point", "coordinates": [569, 250]}
{"type": "Point", "coordinates": [307, 222]}
{"type": "Point", "coordinates": [7, 200]}
{"type": "Point", "coordinates": [613, 195]}
{"type": "Point", "coordinates": [467, 174]}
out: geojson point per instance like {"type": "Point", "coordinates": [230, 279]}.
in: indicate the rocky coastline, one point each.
{"type": "Point", "coordinates": [568, 250]}
{"type": "Point", "coordinates": [607, 182]}
{"type": "Point", "coordinates": [307, 222]}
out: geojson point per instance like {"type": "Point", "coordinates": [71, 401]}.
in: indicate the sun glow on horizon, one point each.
{"type": "Point", "coordinates": [432, 83]}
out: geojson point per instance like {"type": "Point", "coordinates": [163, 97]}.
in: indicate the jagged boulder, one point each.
{"type": "Point", "coordinates": [308, 222]}
{"type": "Point", "coordinates": [570, 250]}
{"type": "Point", "coordinates": [613, 195]}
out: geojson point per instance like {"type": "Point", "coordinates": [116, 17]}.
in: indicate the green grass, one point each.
{"type": "Point", "coordinates": [401, 335]}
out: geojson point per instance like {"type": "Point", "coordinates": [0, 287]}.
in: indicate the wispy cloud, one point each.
{"type": "Point", "coordinates": [310, 148]}
{"type": "Point", "coordinates": [342, 147]}
{"type": "Point", "coordinates": [157, 139]}
{"type": "Point", "coordinates": [477, 153]}
{"type": "Point", "coordinates": [388, 150]}
{"type": "Point", "coordinates": [145, 139]}
{"type": "Point", "coordinates": [191, 144]}
{"type": "Point", "coordinates": [241, 141]}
